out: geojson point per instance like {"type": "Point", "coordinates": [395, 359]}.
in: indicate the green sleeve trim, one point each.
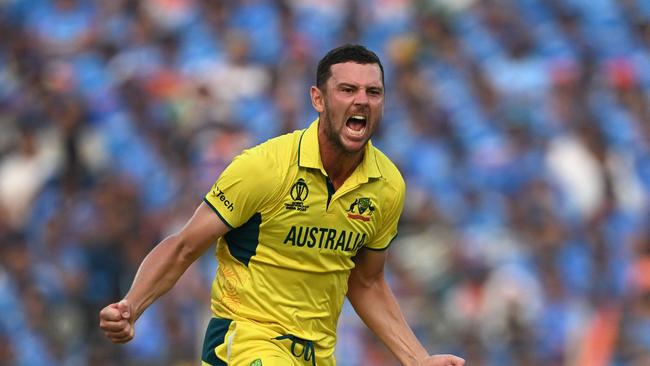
{"type": "Point", "coordinates": [384, 248]}
{"type": "Point", "coordinates": [217, 212]}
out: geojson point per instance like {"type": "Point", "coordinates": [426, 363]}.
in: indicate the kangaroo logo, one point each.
{"type": "Point", "coordinates": [361, 209]}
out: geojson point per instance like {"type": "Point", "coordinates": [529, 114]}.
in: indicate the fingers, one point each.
{"type": "Point", "coordinates": [115, 321]}
{"type": "Point", "coordinates": [444, 360]}
{"type": "Point", "coordinates": [454, 361]}
{"type": "Point", "coordinates": [124, 309]}
{"type": "Point", "coordinates": [110, 313]}
{"type": "Point", "coordinates": [111, 326]}
{"type": "Point", "coordinates": [118, 332]}
{"type": "Point", "coordinates": [121, 336]}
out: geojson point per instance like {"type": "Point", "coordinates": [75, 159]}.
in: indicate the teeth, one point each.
{"type": "Point", "coordinates": [360, 118]}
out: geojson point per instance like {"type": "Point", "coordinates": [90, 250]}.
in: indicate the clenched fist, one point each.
{"type": "Point", "coordinates": [117, 321]}
{"type": "Point", "coordinates": [442, 360]}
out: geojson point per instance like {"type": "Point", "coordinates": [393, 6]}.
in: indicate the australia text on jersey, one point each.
{"type": "Point", "coordinates": [325, 238]}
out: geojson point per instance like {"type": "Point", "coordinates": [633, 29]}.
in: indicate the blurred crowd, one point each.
{"type": "Point", "coordinates": [522, 128]}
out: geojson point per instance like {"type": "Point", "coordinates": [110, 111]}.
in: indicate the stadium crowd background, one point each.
{"type": "Point", "coordinates": [522, 128]}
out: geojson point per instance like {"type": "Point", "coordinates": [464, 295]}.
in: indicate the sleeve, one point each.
{"type": "Point", "coordinates": [389, 218]}
{"type": "Point", "coordinates": [244, 188]}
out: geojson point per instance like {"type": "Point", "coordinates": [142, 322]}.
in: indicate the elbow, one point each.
{"type": "Point", "coordinates": [363, 282]}
{"type": "Point", "coordinates": [184, 250]}
{"type": "Point", "coordinates": [361, 289]}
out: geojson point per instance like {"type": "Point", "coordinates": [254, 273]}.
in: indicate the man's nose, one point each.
{"type": "Point", "coordinates": [361, 97]}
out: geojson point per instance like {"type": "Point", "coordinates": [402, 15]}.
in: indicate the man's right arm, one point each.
{"type": "Point", "coordinates": [160, 270]}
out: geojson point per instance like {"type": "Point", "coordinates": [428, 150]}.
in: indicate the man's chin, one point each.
{"type": "Point", "coordinates": [354, 146]}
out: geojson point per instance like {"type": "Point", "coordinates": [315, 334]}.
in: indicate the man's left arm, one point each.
{"type": "Point", "coordinates": [376, 305]}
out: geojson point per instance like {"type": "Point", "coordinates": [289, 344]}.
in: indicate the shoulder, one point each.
{"type": "Point", "coordinates": [277, 152]}
{"type": "Point", "coordinates": [389, 172]}
{"type": "Point", "coordinates": [258, 174]}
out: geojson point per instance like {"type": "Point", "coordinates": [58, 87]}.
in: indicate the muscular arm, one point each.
{"type": "Point", "coordinates": [160, 270]}
{"type": "Point", "coordinates": [376, 305]}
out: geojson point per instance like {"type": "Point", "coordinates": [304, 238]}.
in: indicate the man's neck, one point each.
{"type": "Point", "coordinates": [338, 164]}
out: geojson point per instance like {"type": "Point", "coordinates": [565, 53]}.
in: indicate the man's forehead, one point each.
{"type": "Point", "coordinates": [355, 73]}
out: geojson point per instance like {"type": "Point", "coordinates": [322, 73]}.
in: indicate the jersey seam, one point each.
{"type": "Point", "coordinates": [300, 144]}
{"type": "Point", "coordinates": [278, 194]}
{"type": "Point", "coordinates": [277, 197]}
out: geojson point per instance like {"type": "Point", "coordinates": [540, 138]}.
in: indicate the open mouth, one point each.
{"type": "Point", "coordinates": [356, 124]}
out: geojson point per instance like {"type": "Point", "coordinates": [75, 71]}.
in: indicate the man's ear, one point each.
{"type": "Point", "coordinates": [317, 99]}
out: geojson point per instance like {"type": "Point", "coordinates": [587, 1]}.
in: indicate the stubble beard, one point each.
{"type": "Point", "coordinates": [334, 137]}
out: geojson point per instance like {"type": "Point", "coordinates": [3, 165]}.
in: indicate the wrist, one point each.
{"type": "Point", "coordinates": [414, 359]}
{"type": "Point", "coordinates": [135, 308]}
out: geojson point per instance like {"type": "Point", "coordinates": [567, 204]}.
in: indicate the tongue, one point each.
{"type": "Point", "coordinates": [355, 124]}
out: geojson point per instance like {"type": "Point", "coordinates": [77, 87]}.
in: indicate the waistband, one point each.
{"type": "Point", "coordinates": [307, 352]}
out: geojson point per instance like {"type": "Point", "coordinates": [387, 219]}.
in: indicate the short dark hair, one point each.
{"type": "Point", "coordinates": [346, 53]}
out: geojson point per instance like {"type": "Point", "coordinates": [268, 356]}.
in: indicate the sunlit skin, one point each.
{"type": "Point", "coordinates": [352, 90]}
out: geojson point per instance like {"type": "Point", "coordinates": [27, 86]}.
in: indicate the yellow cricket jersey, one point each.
{"type": "Point", "coordinates": [285, 263]}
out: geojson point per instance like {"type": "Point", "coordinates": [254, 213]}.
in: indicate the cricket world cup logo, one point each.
{"type": "Point", "coordinates": [299, 193]}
